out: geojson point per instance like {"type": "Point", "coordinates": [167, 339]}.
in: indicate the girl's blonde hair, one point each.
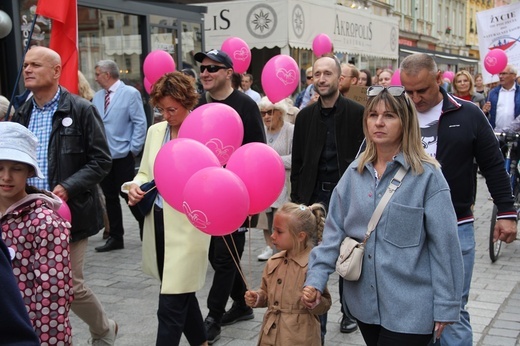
{"type": "Point", "coordinates": [307, 219]}
{"type": "Point", "coordinates": [411, 144]}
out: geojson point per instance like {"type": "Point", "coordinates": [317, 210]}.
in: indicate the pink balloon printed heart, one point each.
{"type": "Point", "coordinates": [241, 54]}
{"type": "Point", "coordinates": [197, 217]}
{"type": "Point", "coordinates": [287, 77]}
{"type": "Point", "coordinates": [491, 60]}
{"type": "Point", "coordinates": [222, 152]}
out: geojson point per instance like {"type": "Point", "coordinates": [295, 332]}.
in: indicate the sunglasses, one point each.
{"type": "Point", "coordinates": [269, 112]}
{"type": "Point", "coordinates": [212, 68]}
{"type": "Point", "coordinates": [394, 90]}
{"type": "Point", "coordinates": [309, 77]}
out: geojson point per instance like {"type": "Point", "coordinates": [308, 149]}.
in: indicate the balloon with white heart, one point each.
{"type": "Point", "coordinates": [495, 61]}
{"type": "Point", "coordinates": [239, 52]}
{"type": "Point", "coordinates": [280, 77]}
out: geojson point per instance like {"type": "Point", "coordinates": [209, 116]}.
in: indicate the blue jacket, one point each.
{"type": "Point", "coordinates": [125, 120]}
{"type": "Point", "coordinates": [412, 268]}
{"type": "Point", "coordinates": [493, 98]}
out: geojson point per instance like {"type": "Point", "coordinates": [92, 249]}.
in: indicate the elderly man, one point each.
{"type": "Point", "coordinates": [463, 135]}
{"type": "Point", "coordinates": [121, 108]}
{"type": "Point", "coordinates": [503, 102]}
{"type": "Point", "coordinates": [74, 156]}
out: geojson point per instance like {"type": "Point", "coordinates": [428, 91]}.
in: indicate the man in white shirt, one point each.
{"type": "Point", "coordinates": [247, 81]}
{"type": "Point", "coordinates": [504, 100]}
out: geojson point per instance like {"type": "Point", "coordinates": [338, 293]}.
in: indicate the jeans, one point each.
{"type": "Point", "coordinates": [460, 334]}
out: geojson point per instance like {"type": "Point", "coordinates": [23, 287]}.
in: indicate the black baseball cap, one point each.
{"type": "Point", "coordinates": [215, 55]}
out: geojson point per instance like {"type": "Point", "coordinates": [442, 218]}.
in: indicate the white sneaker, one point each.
{"type": "Point", "coordinates": [266, 254]}
{"type": "Point", "coordinates": [110, 338]}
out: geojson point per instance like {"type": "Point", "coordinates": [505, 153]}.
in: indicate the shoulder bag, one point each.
{"type": "Point", "coordinates": [351, 252]}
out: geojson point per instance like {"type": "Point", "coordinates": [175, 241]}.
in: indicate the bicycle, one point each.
{"type": "Point", "coordinates": [511, 165]}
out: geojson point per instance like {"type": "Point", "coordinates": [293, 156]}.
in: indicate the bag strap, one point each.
{"type": "Point", "coordinates": [208, 97]}
{"type": "Point", "coordinates": [394, 185]}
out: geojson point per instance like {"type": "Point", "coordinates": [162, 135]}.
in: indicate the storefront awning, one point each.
{"type": "Point", "coordinates": [439, 57]}
{"type": "Point", "coordinates": [295, 23]}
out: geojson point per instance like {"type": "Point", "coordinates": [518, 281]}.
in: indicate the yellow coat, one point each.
{"type": "Point", "coordinates": [186, 248]}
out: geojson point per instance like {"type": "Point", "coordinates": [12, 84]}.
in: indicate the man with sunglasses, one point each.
{"type": "Point", "coordinates": [456, 133]}
{"type": "Point", "coordinates": [327, 136]}
{"type": "Point", "coordinates": [216, 70]}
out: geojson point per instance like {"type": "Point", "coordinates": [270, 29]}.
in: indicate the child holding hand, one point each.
{"type": "Point", "coordinates": [287, 321]}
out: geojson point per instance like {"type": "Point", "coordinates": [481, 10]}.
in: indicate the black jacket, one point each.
{"type": "Point", "coordinates": [309, 138]}
{"type": "Point", "coordinates": [78, 158]}
{"type": "Point", "coordinates": [464, 134]}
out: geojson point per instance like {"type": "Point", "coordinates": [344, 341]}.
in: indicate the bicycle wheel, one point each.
{"type": "Point", "coordinates": [494, 247]}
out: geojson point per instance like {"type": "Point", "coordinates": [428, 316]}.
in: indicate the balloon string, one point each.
{"type": "Point", "coordinates": [235, 259]}
{"type": "Point", "coordinates": [249, 247]}
{"type": "Point", "coordinates": [150, 190]}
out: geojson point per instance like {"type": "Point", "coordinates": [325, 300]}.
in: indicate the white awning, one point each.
{"type": "Point", "coordinates": [295, 23]}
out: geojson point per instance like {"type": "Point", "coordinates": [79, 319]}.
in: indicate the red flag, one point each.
{"type": "Point", "coordinates": [64, 37]}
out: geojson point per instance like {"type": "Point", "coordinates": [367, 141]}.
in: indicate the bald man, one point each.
{"type": "Point", "coordinates": [74, 156]}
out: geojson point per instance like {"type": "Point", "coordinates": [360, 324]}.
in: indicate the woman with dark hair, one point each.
{"type": "Point", "coordinates": [365, 78]}
{"type": "Point", "coordinates": [174, 251]}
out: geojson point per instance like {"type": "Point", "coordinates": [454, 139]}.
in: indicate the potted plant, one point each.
{"type": "Point", "coordinates": [448, 29]}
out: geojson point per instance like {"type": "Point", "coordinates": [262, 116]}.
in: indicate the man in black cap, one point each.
{"type": "Point", "coordinates": [216, 70]}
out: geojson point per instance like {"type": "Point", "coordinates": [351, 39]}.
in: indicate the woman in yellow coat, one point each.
{"type": "Point", "coordinates": [174, 251]}
{"type": "Point", "coordinates": [287, 321]}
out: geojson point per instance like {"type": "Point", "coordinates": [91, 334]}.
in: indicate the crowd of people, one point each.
{"type": "Point", "coordinates": [339, 156]}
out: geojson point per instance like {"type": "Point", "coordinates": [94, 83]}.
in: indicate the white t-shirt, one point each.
{"type": "Point", "coordinates": [429, 124]}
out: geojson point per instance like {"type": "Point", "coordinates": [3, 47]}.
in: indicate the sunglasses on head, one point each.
{"type": "Point", "coordinates": [394, 90]}
{"type": "Point", "coordinates": [212, 68]}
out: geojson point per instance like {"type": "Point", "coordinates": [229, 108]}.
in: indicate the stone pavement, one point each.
{"type": "Point", "coordinates": [130, 297]}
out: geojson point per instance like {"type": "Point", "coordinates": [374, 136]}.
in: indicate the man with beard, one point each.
{"type": "Point", "coordinates": [350, 76]}
{"type": "Point", "coordinates": [327, 136]}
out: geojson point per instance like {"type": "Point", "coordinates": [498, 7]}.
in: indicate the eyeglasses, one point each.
{"type": "Point", "coordinates": [394, 90]}
{"type": "Point", "coordinates": [170, 110]}
{"type": "Point", "coordinates": [505, 73]}
{"type": "Point", "coordinates": [269, 112]}
{"type": "Point", "coordinates": [212, 68]}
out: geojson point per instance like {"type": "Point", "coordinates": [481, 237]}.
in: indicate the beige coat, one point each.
{"type": "Point", "coordinates": [287, 321]}
{"type": "Point", "coordinates": [186, 248]}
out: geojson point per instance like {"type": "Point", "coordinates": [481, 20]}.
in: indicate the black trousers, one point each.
{"type": "Point", "coordinates": [177, 314]}
{"type": "Point", "coordinates": [375, 335]}
{"type": "Point", "coordinates": [122, 171]}
{"type": "Point", "coordinates": [226, 280]}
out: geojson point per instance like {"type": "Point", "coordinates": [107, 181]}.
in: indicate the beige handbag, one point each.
{"type": "Point", "coordinates": [351, 252]}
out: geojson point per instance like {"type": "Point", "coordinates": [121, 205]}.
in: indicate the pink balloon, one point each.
{"type": "Point", "coordinates": [261, 168]}
{"type": "Point", "coordinates": [174, 165]}
{"type": "Point", "coordinates": [217, 126]}
{"type": "Point", "coordinates": [239, 52]}
{"type": "Point", "coordinates": [449, 74]}
{"type": "Point", "coordinates": [64, 211]}
{"type": "Point", "coordinates": [147, 85]}
{"type": "Point", "coordinates": [321, 45]}
{"type": "Point", "coordinates": [216, 201]}
{"type": "Point", "coordinates": [495, 61]}
{"type": "Point", "coordinates": [156, 64]}
{"type": "Point", "coordinates": [396, 78]}
{"type": "Point", "coordinates": [280, 77]}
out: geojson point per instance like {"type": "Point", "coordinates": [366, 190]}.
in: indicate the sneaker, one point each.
{"type": "Point", "coordinates": [110, 338]}
{"type": "Point", "coordinates": [266, 254]}
{"type": "Point", "coordinates": [212, 329]}
{"type": "Point", "coordinates": [348, 325]}
{"type": "Point", "coordinates": [237, 313]}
